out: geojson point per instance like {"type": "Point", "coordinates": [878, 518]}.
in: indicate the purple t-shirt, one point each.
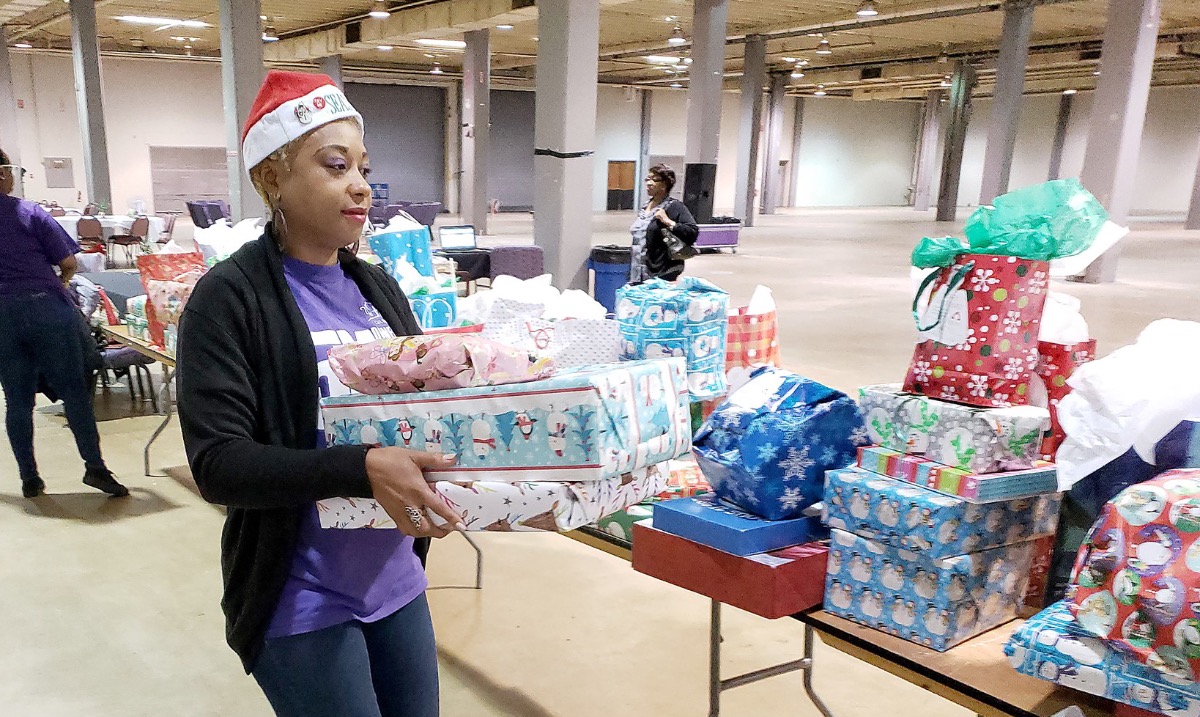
{"type": "Point", "coordinates": [31, 245]}
{"type": "Point", "coordinates": [341, 575]}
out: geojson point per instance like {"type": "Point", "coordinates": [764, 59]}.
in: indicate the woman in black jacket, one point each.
{"type": "Point", "coordinates": [330, 622]}
{"type": "Point", "coordinates": [651, 257]}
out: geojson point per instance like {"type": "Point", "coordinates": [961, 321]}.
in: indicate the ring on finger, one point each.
{"type": "Point", "coordinates": [415, 515]}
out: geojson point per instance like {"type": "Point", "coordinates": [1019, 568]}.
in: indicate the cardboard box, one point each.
{"type": "Point", "coordinates": [775, 584]}
{"type": "Point", "coordinates": [972, 487]}
{"type": "Point", "coordinates": [1051, 646]}
{"type": "Point", "coordinates": [712, 522]}
{"type": "Point", "coordinates": [935, 602]}
{"type": "Point", "coordinates": [585, 424]}
{"type": "Point", "coordinates": [908, 516]}
{"type": "Point", "coordinates": [981, 440]}
{"type": "Point", "coordinates": [511, 507]}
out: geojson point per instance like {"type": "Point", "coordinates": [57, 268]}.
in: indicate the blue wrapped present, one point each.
{"type": "Point", "coordinates": [922, 520]}
{"type": "Point", "coordinates": [767, 447]}
{"type": "Point", "coordinates": [411, 245]}
{"type": "Point", "coordinates": [686, 319]}
{"type": "Point", "coordinates": [936, 602]}
{"type": "Point", "coordinates": [712, 522]}
{"type": "Point", "coordinates": [584, 424]}
{"type": "Point", "coordinates": [435, 309]}
{"type": "Point", "coordinates": [1051, 646]}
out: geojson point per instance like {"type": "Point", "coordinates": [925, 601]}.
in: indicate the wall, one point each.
{"type": "Point", "coordinates": [407, 148]}
{"type": "Point", "coordinates": [510, 151]}
{"type": "Point", "coordinates": [618, 137]}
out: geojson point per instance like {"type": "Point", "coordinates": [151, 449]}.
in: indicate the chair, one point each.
{"type": "Point", "coordinates": [424, 212]}
{"type": "Point", "coordinates": [378, 215]}
{"type": "Point", "coordinates": [125, 362]}
{"type": "Point", "coordinates": [133, 240]}
{"type": "Point", "coordinates": [90, 234]}
{"type": "Point", "coordinates": [57, 211]}
{"type": "Point", "coordinates": [199, 214]}
{"type": "Point", "coordinates": [523, 262]}
{"type": "Point", "coordinates": [222, 206]}
{"type": "Point", "coordinates": [91, 209]}
{"type": "Point", "coordinates": [168, 226]}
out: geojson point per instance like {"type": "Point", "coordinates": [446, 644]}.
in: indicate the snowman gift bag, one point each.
{"type": "Point", "coordinates": [1136, 581]}
{"type": "Point", "coordinates": [687, 319]}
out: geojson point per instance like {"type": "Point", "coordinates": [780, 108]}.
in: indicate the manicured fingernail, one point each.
{"type": "Point", "coordinates": [450, 457]}
{"type": "Point", "coordinates": [460, 527]}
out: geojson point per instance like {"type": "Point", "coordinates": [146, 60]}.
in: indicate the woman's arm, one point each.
{"type": "Point", "coordinates": [218, 409]}
{"type": "Point", "coordinates": [685, 225]}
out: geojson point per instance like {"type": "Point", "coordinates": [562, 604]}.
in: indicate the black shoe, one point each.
{"type": "Point", "coordinates": [32, 487]}
{"type": "Point", "coordinates": [102, 479]}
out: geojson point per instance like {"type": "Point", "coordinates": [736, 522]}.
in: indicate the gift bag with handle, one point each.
{"type": "Point", "coordinates": [978, 321]}
{"type": "Point", "coordinates": [168, 280]}
{"type": "Point", "coordinates": [570, 342]}
{"type": "Point", "coordinates": [403, 240]}
{"type": "Point", "coordinates": [752, 341]}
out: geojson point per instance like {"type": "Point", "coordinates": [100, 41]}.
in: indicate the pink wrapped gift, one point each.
{"type": "Point", "coordinates": [407, 364]}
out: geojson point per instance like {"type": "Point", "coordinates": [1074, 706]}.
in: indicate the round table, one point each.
{"type": "Point", "coordinates": [112, 225]}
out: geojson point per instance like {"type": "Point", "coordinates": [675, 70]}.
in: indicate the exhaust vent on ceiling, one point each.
{"type": "Point", "coordinates": [1089, 55]}
{"type": "Point", "coordinates": [353, 32]}
{"type": "Point", "coordinates": [871, 73]}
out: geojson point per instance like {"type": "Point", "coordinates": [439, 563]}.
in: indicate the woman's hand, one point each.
{"type": "Point", "coordinates": [398, 482]}
{"type": "Point", "coordinates": [661, 216]}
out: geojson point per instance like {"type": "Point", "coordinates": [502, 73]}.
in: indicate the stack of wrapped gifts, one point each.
{"type": "Point", "coordinates": [135, 318]}
{"type": "Point", "coordinates": [552, 451]}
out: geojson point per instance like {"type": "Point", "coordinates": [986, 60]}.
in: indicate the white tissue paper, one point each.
{"type": "Point", "coordinates": [220, 240]}
{"type": "Point", "coordinates": [1131, 398]}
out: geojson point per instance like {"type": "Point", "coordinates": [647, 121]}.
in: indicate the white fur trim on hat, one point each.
{"type": "Point", "coordinates": [293, 119]}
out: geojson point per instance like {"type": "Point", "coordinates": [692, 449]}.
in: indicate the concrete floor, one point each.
{"type": "Point", "coordinates": [111, 608]}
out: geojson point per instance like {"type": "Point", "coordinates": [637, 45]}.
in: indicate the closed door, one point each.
{"type": "Point", "coordinates": [622, 180]}
{"type": "Point", "coordinates": [184, 174]}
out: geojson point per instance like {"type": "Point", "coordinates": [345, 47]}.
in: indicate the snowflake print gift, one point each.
{"type": "Point", "coordinates": [767, 447]}
{"type": "Point", "coordinates": [998, 326]}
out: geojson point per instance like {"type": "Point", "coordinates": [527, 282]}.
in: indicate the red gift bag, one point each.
{"type": "Point", "coordinates": [167, 279]}
{"type": "Point", "coordinates": [1056, 363]}
{"type": "Point", "coordinates": [751, 340]}
{"type": "Point", "coordinates": [979, 327]}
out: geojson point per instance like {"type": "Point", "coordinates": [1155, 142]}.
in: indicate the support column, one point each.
{"type": "Point", "coordinates": [754, 75]}
{"type": "Point", "coordinates": [1115, 133]}
{"type": "Point", "coordinates": [454, 140]}
{"type": "Point", "coordinates": [644, 148]}
{"type": "Point", "coordinates": [565, 136]}
{"type": "Point", "coordinates": [777, 98]}
{"type": "Point", "coordinates": [1060, 135]}
{"type": "Point", "coordinates": [704, 105]}
{"type": "Point", "coordinates": [241, 75]}
{"type": "Point", "coordinates": [476, 128]}
{"type": "Point", "coordinates": [332, 66]}
{"type": "Point", "coordinates": [1193, 217]}
{"type": "Point", "coordinates": [956, 137]}
{"type": "Point", "coordinates": [931, 132]}
{"type": "Point", "coordinates": [89, 99]}
{"type": "Point", "coordinates": [797, 133]}
{"type": "Point", "coordinates": [1007, 99]}
{"type": "Point", "coordinates": [9, 140]}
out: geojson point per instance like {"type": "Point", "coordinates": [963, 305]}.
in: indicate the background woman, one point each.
{"type": "Point", "coordinates": [651, 257]}
{"type": "Point", "coordinates": [329, 622]}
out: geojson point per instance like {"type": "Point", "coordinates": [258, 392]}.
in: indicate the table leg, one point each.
{"type": "Point", "coordinates": [478, 562]}
{"type": "Point", "coordinates": [808, 673]}
{"type": "Point", "coordinates": [714, 660]}
{"type": "Point", "coordinates": [164, 398]}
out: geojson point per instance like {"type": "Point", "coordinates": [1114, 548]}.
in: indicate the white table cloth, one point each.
{"type": "Point", "coordinates": [112, 225]}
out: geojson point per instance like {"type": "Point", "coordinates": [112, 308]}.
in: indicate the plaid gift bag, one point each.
{"type": "Point", "coordinates": [1056, 363]}
{"type": "Point", "coordinates": [753, 340]}
{"type": "Point", "coordinates": [979, 320]}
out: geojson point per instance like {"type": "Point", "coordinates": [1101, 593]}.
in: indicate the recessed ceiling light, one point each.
{"type": "Point", "coordinates": [867, 9]}
{"type": "Point", "coordinates": [379, 11]}
{"type": "Point", "coordinates": [535, 38]}
{"type": "Point", "coordinates": [823, 47]}
{"type": "Point", "coordinates": [789, 59]}
{"type": "Point", "coordinates": [670, 18]}
{"type": "Point", "coordinates": [820, 91]}
{"type": "Point", "coordinates": [447, 44]}
{"type": "Point", "coordinates": [504, 27]}
{"type": "Point", "coordinates": [676, 85]}
{"type": "Point", "coordinates": [163, 22]}
{"type": "Point", "coordinates": [269, 34]}
{"type": "Point", "coordinates": [1096, 73]}
{"type": "Point", "coordinates": [437, 69]}
{"type": "Point", "coordinates": [797, 75]}
{"type": "Point", "coordinates": [23, 45]}
{"type": "Point", "coordinates": [662, 59]}
{"type": "Point", "coordinates": [386, 48]}
{"type": "Point", "coordinates": [1069, 92]}
{"type": "Point", "coordinates": [677, 37]}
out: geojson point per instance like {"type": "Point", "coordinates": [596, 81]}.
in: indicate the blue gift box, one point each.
{"type": "Point", "coordinates": [767, 447]}
{"type": "Point", "coordinates": [436, 309]}
{"type": "Point", "coordinates": [1051, 646]}
{"type": "Point", "coordinates": [709, 521]}
{"type": "Point", "coordinates": [936, 602]}
{"type": "Point", "coordinates": [909, 516]}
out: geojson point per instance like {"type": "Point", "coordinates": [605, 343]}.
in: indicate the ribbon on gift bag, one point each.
{"type": "Point", "coordinates": [997, 331]}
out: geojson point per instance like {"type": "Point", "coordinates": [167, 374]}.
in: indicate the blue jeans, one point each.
{"type": "Point", "coordinates": [40, 336]}
{"type": "Point", "coordinates": [380, 669]}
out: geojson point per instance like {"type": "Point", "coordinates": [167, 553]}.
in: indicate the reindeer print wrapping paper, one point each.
{"type": "Point", "coordinates": [1136, 581]}
{"type": "Point", "coordinates": [512, 507]}
{"type": "Point", "coordinates": [587, 424]}
{"type": "Point", "coordinates": [1051, 646]}
{"type": "Point", "coordinates": [981, 440]}
{"type": "Point", "coordinates": [903, 515]}
{"type": "Point", "coordinates": [935, 602]}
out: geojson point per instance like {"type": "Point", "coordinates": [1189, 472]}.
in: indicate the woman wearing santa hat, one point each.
{"type": "Point", "coordinates": [329, 622]}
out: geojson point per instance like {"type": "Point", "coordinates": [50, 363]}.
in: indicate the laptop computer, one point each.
{"type": "Point", "coordinates": [457, 237]}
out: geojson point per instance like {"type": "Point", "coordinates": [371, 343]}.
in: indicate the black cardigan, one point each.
{"type": "Point", "coordinates": [248, 398]}
{"type": "Point", "coordinates": [659, 263]}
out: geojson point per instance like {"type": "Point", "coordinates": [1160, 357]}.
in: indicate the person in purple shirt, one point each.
{"type": "Point", "coordinates": [40, 336]}
{"type": "Point", "coordinates": [331, 623]}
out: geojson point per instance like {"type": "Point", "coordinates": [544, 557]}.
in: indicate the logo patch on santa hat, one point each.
{"type": "Point", "coordinates": [303, 116]}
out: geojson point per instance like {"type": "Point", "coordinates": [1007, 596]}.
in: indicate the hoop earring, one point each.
{"type": "Point", "coordinates": [279, 220]}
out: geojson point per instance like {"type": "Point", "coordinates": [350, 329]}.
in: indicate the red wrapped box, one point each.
{"type": "Point", "coordinates": [988, 310]}
{"type": "Point", "coordinates": [1056, 363]}
{"type": "Point", "coordinates": [775, 584]}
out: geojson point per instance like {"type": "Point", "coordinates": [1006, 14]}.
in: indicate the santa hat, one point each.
{"type": "Point", "coordinates": [290, 105]}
